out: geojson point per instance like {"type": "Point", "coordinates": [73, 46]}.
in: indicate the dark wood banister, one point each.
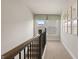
{"type": "Point", "coordinates": [17, 50]}
{"type": "Point", "coordinates": [12, 53]}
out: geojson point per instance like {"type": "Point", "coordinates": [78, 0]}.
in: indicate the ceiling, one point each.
{"type": "Point", "coordinates": [46, 6]}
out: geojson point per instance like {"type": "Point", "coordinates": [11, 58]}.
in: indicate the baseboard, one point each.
{"type": "Point", "coordinates": [44, 52]}
{"type": "Point", "coordinates": [69, 51]}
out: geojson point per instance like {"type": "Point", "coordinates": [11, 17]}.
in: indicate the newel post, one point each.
{"type": "Point", "coordinates": [45, 35]}
{"type": "Point", "coordinates": [40, 43]}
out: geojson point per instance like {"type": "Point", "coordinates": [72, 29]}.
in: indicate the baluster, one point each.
{"type": "Point", "coordinates": [44, 39]}
{"type": "Point", "coordinates": [24, 54]}
{"type": "Point", "coordinates": [30, 50]}
{"type": "Point", "coordinates": [45, 35]}
{"type": "Point", "coordinates": [12, 58]}
{"type": "Point", "coordinates": [40, 47]}
{"type": "Point", "coordinates": [19, 55]}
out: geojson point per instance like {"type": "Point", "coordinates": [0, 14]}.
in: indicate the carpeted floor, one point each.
{"type": "Point", "coordinates": [55, 50]}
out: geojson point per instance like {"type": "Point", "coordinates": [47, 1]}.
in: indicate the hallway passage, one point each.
{"type": "Point", "coordinates": [55, 50]}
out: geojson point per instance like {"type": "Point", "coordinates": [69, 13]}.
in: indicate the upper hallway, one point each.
{"type": "Point", "coordinates": [17, 22]}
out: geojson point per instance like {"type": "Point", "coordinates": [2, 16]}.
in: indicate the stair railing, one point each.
{"type": "Point", "coordinates": [22, 47]}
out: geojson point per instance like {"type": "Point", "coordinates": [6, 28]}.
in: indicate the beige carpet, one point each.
{"type": "Point", "coordinates": [55, 50]}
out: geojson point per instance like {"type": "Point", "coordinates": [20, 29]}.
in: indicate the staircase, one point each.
{"type": "Point", "coordinates": [33, 52]}
{"type": "Point", "coordinates": [35, 47]}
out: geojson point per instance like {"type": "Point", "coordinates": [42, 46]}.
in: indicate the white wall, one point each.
{"type": "Point", "coordinates": [17, 24]}
{"type": "Point", "coordinates": [69, 41]}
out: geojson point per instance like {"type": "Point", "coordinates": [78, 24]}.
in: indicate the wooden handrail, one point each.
{"type": "Point", "coordinates": [12, 53]}
{"type": "Point", "coordinates": [17, 50]}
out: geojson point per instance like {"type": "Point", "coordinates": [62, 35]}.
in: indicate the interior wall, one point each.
{"type": "Point", "coordinates": [16, 23]}
{"type": "Point", "coordinates": [70, 41]}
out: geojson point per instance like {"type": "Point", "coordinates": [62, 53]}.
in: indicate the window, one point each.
{"type": "Point", "coordinates": [40, 22]}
